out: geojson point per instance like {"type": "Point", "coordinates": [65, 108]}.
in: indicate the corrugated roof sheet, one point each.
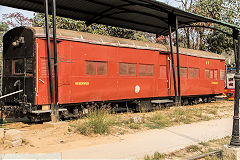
{"type": "Point", "coordinates": [120, 42]}
{"type": "Point", "coordinates": [144, 15]}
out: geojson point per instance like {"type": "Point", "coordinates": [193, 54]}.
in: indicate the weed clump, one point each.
{"type": "Point", "coordinates": [181, 115]}
{"type": "Point", "coordinates": [134, 126]}
{"type": "Point", "coordinates": [193, 148]}
{"type": "Point", "coordinates": [157, 121]}
{"type": "Point", "coordinates": [98, 121]}
{"type": "Point", "coordinates": [156, 156]}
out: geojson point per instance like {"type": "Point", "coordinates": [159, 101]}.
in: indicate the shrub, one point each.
{"type": "Point", "coordinates": [98, 121]}
{"type": "Point", "coordinates": [156, 156]}
{"type": "Point", "coordinates": [134, 126]}
{"type": "Point", "coordinates": [193, 148]}
{"type": "Point", "coordinates": [158, 120]}
{"type": "Point", "coordinates": [181, 115]}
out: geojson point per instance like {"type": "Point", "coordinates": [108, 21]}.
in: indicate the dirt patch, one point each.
{"type": "Point", "coordinates": [46, 138]}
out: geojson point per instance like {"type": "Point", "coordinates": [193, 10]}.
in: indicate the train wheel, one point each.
{"type": "Point", "coordinates": [209, 99]}
{"type": "Point", "coordinates": [185, 102]}
{"type": "Point", "coordinates": [145, 106]}
{"type": "Point", "coordinates": [205, 100]}
{"type": "Point", "coordinates": [195, 100]}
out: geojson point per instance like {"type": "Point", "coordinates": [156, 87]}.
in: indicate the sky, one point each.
{"type": "Point", "coordinates": [29, 14]}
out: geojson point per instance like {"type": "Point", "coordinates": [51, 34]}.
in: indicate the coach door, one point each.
{"type": "Point", "coordinates": [164, 80]}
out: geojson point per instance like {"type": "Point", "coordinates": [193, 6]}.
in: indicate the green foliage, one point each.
{"type": "Point", "coordinates": [156, 156]}
{"type": "Point", "coordinates": [135, 126]}
{"type": "Point", "coordinates": [207, 39]}
{"type": "Point", "coordinates": [98, 121]}
{"type": "Point", "coordinates": [223, 10]}
{"type": "Point", "coordinates": [219, 42]}
{"type": "Point", "coordinates": [77, 25]}
{"type": "Point", "coordinates": [181, 115]}
{"type": "Point", "coordinates": [193, 148]}
{"type": "Point", "coordinates": [158, 120]}
{"type": "Point", "coordinates": [205, 144]}
{"type": "Point", "coordinates": [3, 28]}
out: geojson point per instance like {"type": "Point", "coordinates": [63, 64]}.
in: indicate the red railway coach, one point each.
{"type": "Point", "coordinates": [96, 68]}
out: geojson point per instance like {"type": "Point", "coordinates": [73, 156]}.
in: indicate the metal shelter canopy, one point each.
{"type": "Point", "coordinates": [143, 15]}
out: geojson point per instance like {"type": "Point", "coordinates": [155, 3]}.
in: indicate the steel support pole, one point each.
{"type": "Point", "coordinates": [56, 111]}
{"type": "Point", "coordinates": [235, 37]}
{"type": "Point", "coordinates": [49, 58]}
{"type": "Point", "coordinates": [173, 66]}
{"type": "Point", "coordinates": [235, 131]}
{"type": "Point", "coordinates": [178, 66]}
{"type": "Point", "coordinates": [1, 114]}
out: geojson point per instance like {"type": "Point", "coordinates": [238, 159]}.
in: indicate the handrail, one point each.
{"type": "Point", "coordinates": [7, 95]}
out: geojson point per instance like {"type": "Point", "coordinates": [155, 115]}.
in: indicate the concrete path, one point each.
{"type": "Point", "coordinates": [162, 140]}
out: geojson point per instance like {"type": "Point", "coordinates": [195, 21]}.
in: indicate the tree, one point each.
{"type": "Point", "coordinates": [77, 25]}
{"type": "Point", "coordinates": [186, 34]}
{"type": "Point", "coordinates": [207, 39]}
{"type": "Point", "coordinates": [223, 10]}
{"type": "Point", "coordinates": [3, 28]}
{"type": "Point", "coordinates": [16, 19]}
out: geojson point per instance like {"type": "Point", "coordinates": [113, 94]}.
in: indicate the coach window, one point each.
{"type": "Point", "coordinates": [127, 69]}
{"type": "Point", "coordinates": [211, 74]}
{"type": "Point", "coordinates": [101, 68]}
{"type": "Point", "coordinates": [193, 73]}
{"type": "Point", "coordinates": [163, 72]}
{"type": "Point", "coordinates": [132, 69]}
{"type": "Point", "coordinates": [215, 74]}
{"type": "Point", "coordinates": [146, 69]}
{"type": "Point", "coordinates": [96, 68]}
{"type": "Point", "coordinates": [18, 66]}
{"type": "Point", "coordinates": [123, 69]}
{"type": "Point", "coordinates": [183, 72]}
{"type": "Point", "coordinates": [206, 73]}
{"type": "Point", "coordinates": [222, 74]}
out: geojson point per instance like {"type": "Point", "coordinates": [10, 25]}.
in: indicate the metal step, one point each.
{"type": "Point", "coordinates": [47, 111]}
{"type": "Point", "coordinates": [162, 101]}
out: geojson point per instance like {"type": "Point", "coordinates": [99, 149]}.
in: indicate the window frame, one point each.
{"type": "Point", "coordinates": [127, 73]}
{"type": "Point", "coordinates": [146, 73]}
{"type": "Point", "coordinates": [222, 75]}
{"type": "Point", "coordinates": [14, 69]}
{"type": "Point", "coordinates": [215, 76]}
{"type": "Point", "coordinates": [195, 73]}
{"type": "Point", "coordinates": [95, 68]}
{"type": "Point", "coordinates": [181, 71]}
{"type": "Point", "coordinates": [161, 68]}
{"type": "Point", "coordinates": [207, 77]}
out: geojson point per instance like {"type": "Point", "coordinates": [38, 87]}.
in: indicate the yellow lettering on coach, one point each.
{"type": "Point", "coordinates": [81, 83]}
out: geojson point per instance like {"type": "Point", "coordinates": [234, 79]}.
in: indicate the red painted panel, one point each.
{"type": "Point", "coordinates": [76, 85]}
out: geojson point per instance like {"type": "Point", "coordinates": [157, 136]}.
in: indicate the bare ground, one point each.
{"type": "Point", "coordinates": [46, 138]}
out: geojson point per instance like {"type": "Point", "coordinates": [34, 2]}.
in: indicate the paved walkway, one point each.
{"type": "Point", "coordinates": [148, 142]}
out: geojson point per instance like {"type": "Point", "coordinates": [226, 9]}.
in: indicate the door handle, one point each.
{"type": "Point", "coordinates": [41, 80]}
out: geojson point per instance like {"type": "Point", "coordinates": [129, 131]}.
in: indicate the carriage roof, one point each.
{"type": "Point", "coordinates": [121, 42]}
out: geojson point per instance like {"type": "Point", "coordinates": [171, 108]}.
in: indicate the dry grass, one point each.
{"type": "Point", "coordinates": [102, 122]}
{"type": "Point", "coordinates": [195, 150]}
{"type": "Point", "coordinates": [98, 121]}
